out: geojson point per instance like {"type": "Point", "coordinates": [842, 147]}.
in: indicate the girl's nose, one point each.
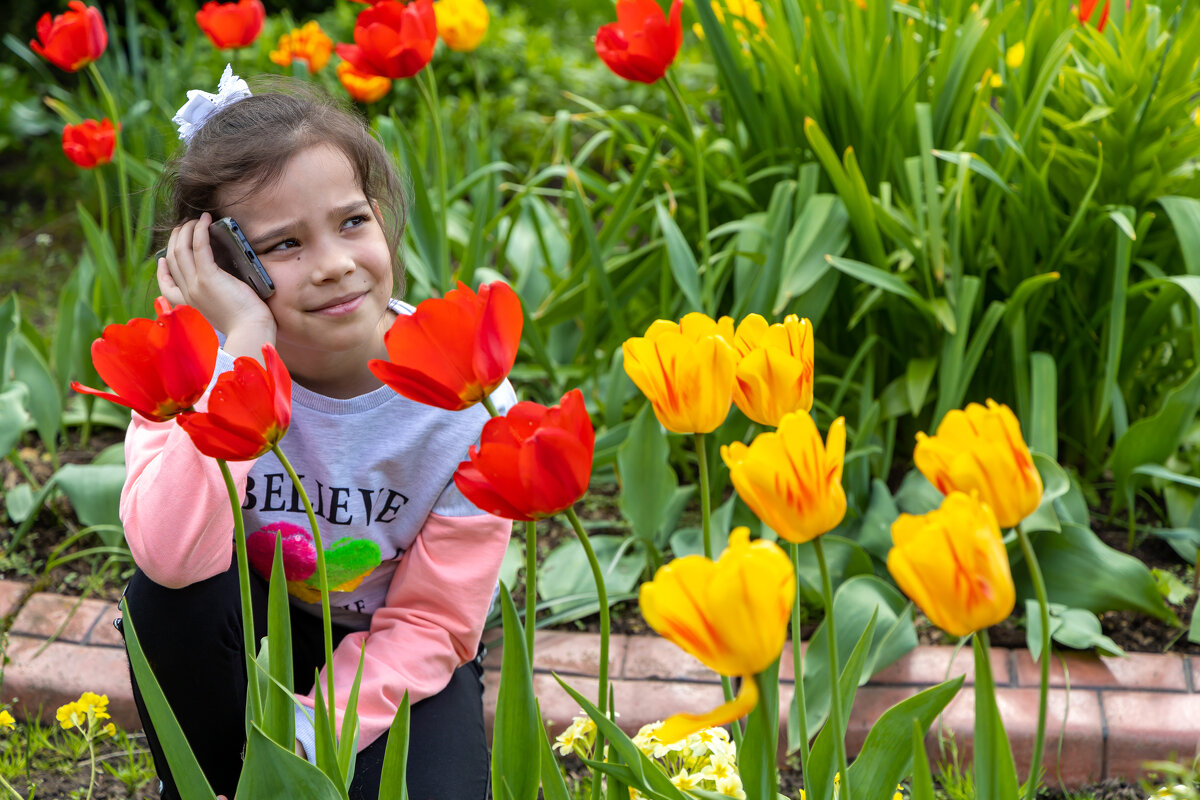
{"type": "Point", "coordinates": [333, 263]}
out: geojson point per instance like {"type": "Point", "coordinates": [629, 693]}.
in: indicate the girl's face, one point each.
{"type": "Point", "coordinates": [317, 235]}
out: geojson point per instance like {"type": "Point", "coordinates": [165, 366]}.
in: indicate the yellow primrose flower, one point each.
{"type": "Point", "coordinates": [981, 449]}
{"type": "Point", "coordinates": [578, 737]}
{"type": "Point", "coordinates": [109, 730]}
{"type": "Point", "coordinates": [790, 480]}
{"type": "Point", "coordinates": [686, 370]}
{"type": "Point", "coordinates": [7, 721]}
{"type": "Point", "coordinates": [952, 563]}
{"type": "Point", "coordinates": [775, 368]}
{"type": "Point", "coordinates": [461, 23]}
{"type": "Point", "coordinates": [308, 44]}
{"type": "Point", "coordinates": [731, 614]}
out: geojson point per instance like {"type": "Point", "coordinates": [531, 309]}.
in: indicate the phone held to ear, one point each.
{"type": "Point", "coordinates": [233, 253]}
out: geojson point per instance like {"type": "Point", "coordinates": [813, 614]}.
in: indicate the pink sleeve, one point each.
{"type": "Point", "coordinates": [175, 506]}
{"type": "Point", "coordinates": [430, 623]}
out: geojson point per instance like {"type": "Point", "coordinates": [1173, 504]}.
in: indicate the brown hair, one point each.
{"type": "Point", "coordinates": [252, 140]}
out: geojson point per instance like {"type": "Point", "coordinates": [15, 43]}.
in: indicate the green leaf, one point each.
{"type": "Point", "coordinates": [647, 483]}
{"type": "Point", "coordinates": [45, 401]}
{"type": "Point", "coordinates": [1184, 213]}
{"type": "Point", "coordinates": [565, 572]}
{"type": "Point", "coordinates": [272, 771]}
{"type": "Point", "coordinates": [14, 419]}
{"type": "Point", "coordinates": [846, 558]}
{"type": "Point", "coordinates": [922, 779]}
{"type": "Point", "coordinates": [189, 778]}
{"type": "Point", "coordinates": [516, 767]}
{"type": "Point", "coordinates": [886, 755]}
{"type": "Point", "coordinates": [680, 258]}
{"type": "Point", "coordinates": [882, 280]}
{"type": "Point", "coordinates": [279, 718]}
{"type": "Point", "coordinates": [752, 761]}
{"type": "Point", "coordinates": [553, 785]}
{"type": "Point", "coordinates": [1084, 572]}
{"type": "Point", "coordinates": [94, 491]}
{"type": "Point", "coordinates": [1114, 329]}
{"type": "Point", "coordinates": [918, 375]}
{"type": "Point", "coordinates": [823, 228]}
{"type": "Point", "coordinates": [1194, 628]}
{"type": "Point", "coordinates": [1152, 439]}
{"type": "Point", "coordinates": [19, 502]}
{"type": "Point", "coordinates": [995, 772]}
{"type": "Point", "coordinates": [393, 777]}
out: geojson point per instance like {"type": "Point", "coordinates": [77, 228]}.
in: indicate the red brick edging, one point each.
{"type": "Point", "coordinates": [1119, 712]}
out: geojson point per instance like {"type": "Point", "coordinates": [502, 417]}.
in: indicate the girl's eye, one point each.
{"type": "Point", "coordinates": [355, 221]}
{"type": "Point", "coordinates": [286, 244]}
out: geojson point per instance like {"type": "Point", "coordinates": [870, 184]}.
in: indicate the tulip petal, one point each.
{"type": "Point", "coordinates": [679, 726]}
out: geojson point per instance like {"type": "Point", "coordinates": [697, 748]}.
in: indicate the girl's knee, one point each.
{"type": "Point", "coordinates": [208, 607]}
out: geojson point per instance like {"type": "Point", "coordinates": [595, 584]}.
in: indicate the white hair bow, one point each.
{"type": "Point", "coordinates": [201, 105]}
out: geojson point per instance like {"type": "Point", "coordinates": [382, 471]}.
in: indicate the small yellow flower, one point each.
{"type": "Point", "coordinates": [996, 81]}
{"type": "Point", "coordinates": [461, 23]}
{"type": "Point", "coordinates": [1015, 55]}
{"type": "Point", "coordinates": [577, 738]}
{"type": "Point", "coordinates": [69, 715]}
{"type": "Point", "coordinates": [7, 721]}
{"type": "Point", "coordinates": [109, 730]}
{"type": "Point", "coordinates": [308, 44]}
{"type": "Point", "coordinates": [981, 449]}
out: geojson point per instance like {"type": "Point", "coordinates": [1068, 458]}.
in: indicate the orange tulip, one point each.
{"type": "Point", "coordinates": [1088, 7]}
{"type": "Point", "coordinates": [532, 462]}
{"type": "Point", "coordinates": [686, 370]}
{"type": "Point", "coordinates": [73, 39]}
{"type": "Point", "coordinates": [731, 614]}
{"type": "Point", "coordinates": [953, 564]}
{"type": "Point", "coordinates": [453, 351]}
{"type": "Point", "coordinates": [362, 87]}
{"type": "Point", "coordinates": [392, 39]}
{"type": "Point", "coordinates": [91, 143]}
{"type": "Point", "coordinates": [643, 41]}
{"type": "Point", "coordinates": [790, 480]}
{"type": "Point", "coordinates": [231, 25]}
{"type": "Point", "coordinates": [249, 410]}
{"type": "Point", "coordinates": [308, 44]}
{"type": "Point", "coordinates": [981, 450]}
{"type": "Point", "coordinates": [775, 368]}
{"type": "Point", "coordinates": [158, 367]}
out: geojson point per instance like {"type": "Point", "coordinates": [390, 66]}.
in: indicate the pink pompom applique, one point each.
{"type": "Point", "coordinates": [299, 554]}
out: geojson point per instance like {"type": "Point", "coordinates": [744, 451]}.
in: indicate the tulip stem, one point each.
{"type": "Point", "coordinates": [835, 689]}
{"type": "Point", "coordinates": [602, 596]}
{"type": "Point", "coordinates": [322, 576]}
{"type": "Point", "coordinates": [119, 153]}
{"type": "Point", "coordinates": [798, 668]}
{"type": "Point", "coordinates": [530, 585]}
{"type": "Point", "coordinates": [248, 638]}
{"type": "Point", "coordinates": [770, 731]}
{"type": "Point", "coordinates": [490, 406]}
{"type": "Point", "coordinates": [429, 93]}
{"type": "Point", "coordinates": [701, 190]}
{"type": "Point", "coordinates": [705, 500]}
{"type": "Point", "coordinates": [1039, 589]}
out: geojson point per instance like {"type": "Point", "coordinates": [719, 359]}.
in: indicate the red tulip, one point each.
{"type": "Point", "coordinates": [455, 350]}
{"type": "Point", "coordinates": [249, 410]}
{"type": "Point", "coordinates": [532, 462]}
{"type": "Point", "coordinates": [90, 143]}
{"type": "Point", "coordinates": [73, 39]}
{"type": "Point", "coordinates": [1086, 9]}
{"type": "Point", "coordinates": [158, 367]}
{"type": "Point", "coordinates": [643, 42]}
{"type": "Point", "coordinates": [231, 25]}
{"type": "Point", "coordinates": [392, 39]}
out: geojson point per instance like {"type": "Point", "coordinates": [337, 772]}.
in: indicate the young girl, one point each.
{"type": "Point", "coordinates": [319, 201]}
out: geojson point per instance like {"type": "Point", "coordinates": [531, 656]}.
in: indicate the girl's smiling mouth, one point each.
{"type": "Point", "coordinates": [340, 305]}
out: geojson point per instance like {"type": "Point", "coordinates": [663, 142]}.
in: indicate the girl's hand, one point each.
{"type": "Point", "coordinates": [188, 274]}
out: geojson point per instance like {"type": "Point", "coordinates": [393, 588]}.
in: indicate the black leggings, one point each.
{"type": "Point", "coordinates": [193, 639]}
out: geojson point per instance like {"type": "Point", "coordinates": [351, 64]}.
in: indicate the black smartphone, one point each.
{"type": "Point", "coordinates": [234, 254]}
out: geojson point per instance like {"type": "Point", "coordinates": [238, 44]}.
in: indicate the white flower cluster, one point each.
{"type": "Point", "coordinates": [1177, 792]}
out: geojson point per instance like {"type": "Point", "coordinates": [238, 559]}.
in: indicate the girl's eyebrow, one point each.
{"type": "Point", "coordinates": [286, 227]}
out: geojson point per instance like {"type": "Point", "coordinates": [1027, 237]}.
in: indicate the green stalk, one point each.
{"type": "Point", "coordinates": [701, 189]}
{"type": "Point", "coordinates": [530, 585]}
{"type": "Point", "coordinates": [102, 195]}
{"type": "Point", "coordinates": [602, 596]}
{"type": "Point", "coordinates": [430, 95]}
{"type": "Point", "coordinates": [705, 501]}
{"type": "Point", "coordinates": [770, 732]}
{"type": "Point", "coordinates": [835, 689]}
{"type": "Point", "coordinates": [119, 152]}
{"type": "Point", "coordinates": [1039, 590]}
{"type": "Point", "coordinates": [92, 759]}
{"type": "Point", "coordinates": [490, 406]}
{"type": "Point", "coordinates": [322, 575]}
{"type": "Point", "coordinates": [798, 668]}
{"type": "Point", "coordinates": [9, 787]}
{"type": "Point", "coordinates": [248, 638]}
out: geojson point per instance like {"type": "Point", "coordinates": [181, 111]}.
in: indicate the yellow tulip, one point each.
{"type": "Point", "coordinates": [980, 449]}
{"type": "Point", "coordinates": [790, 479]}
{"type": "Point", "coordinates": [775, 368]}
{"type": "Point", "coordinates": [953, 565]}
{"type": "Point", "coordinates": [308, 44]}
{"type": "Point", "coordinates": [461, 23]}
{"type": "Point", "coordinates": [732, 614]}
{"type": "Point", "coordinates": [686, 370]}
